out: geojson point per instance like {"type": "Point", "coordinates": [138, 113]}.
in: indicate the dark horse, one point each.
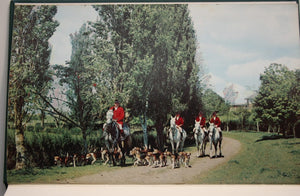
{"type": "Point", "coordinates": [113, 141]}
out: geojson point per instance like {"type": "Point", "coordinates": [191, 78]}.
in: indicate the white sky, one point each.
{"type": "Point", "coordinates": [236, 41]}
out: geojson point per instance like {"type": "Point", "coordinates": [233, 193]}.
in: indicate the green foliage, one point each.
{"type": "Point", "coordinates": [81, 76]}
{"type": "Point", "coordinates": [277, 103]}
{"type": "Point", "coordinates": [41, 147]}
{"type": "Point", "coordinates": [29, 74]}
{"type": "Point", "coordinates": [214, 102]}
{"type": "Point", "coordinates": [38, 127]}
{"type": "Point", "coordinates": [147, 60]}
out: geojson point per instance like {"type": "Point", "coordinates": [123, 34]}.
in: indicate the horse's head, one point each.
{"type": "Point", "coordinates": [172, 123]}
{"type": "Point", "coordinates": [197, 126]}
{"type": "Point", "coordinates": [110, 125]}
{"type": "Point", "coordinates": [109, 116]}
{"type": "Point", "coordinates": [211, 127]}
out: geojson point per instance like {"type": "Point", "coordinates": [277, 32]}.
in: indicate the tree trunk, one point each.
{"type": "Point", "coordinates": [160, 136]}
{"type": "Point", "coordinates": [19, 134]}
{"type": "Point", "coordinates": [283, 131]}
{"type": "Point", "coordinates": [43, 118]}
{"type": "Point", "coordinates": [20, 149]}
{"type": "Point", "coordinates": [294, 130]}
{"type": "Point", "coordinates": [84, 140]}
{"type": "Point", "coordinates": [242, 122]}
{"type": "Point", "coordinates": [227, 126]}
{"type": "Point", "coordinates": [143, 119]}
{"type": "Point", "coordinates": [257, 126]}
{"type": "Point", "coordinates": [269, 128]}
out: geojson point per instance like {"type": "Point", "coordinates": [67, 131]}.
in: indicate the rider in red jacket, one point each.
{"type": "Point", "coordinates": [200, 118]}
{"type": "Point", "coordinates": [216, 120]}
{"type": "Point", "coordinates": [119, 115]}
{"type": "Point", "coordinates": [179, 122]}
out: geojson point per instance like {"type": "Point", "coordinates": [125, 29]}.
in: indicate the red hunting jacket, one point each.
{"type": "Point", "coordinates": [216, 121]}
{"type": "Point", "coordinates": [118, 114]}
{"type": "Point", "coordinates": [202, 122]}
{"type": "Point", "coordinates": [179, 121]}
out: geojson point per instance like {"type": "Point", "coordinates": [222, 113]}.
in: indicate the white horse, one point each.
{"type": "Point", "coordinates": [175, 136]}
{"type": "Point", "coordinates": [200, 138]}
{"type": "Point", "coordinates": [215, 138]}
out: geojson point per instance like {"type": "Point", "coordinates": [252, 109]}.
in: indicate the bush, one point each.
{"type": "Point", "coordinates": [38, 127]}
{"type": "Point", "coordinates": [29, 128]}
{"type": "Point", "coordinates": [75, 131]}
{"type": "Point", "coordinates": [52, 125]}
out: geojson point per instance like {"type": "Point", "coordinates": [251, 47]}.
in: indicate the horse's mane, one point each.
{"type": "Point", "coordinates": [109, 115]}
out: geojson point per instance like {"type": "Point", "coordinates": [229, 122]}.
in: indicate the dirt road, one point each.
{"type": "Point", "coordinates": [164, 175]}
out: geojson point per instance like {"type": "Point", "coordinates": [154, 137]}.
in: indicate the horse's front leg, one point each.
{"type": "Point", "coordinates": [172, 145]}
{"type": "Point", "coordinates": [211, 145]}
{"type": "Point", "coordinates": [204, 144]}
{"type": "Point", "coordinates": [197, 145]}
{"type": "Point", "coordinates": [181, 145]}
{"type": "Point", "coordinates": [201, 149]}
{"type": "Point", "coordinates": [177, 146]}
{"type": "Point", "coordinates": [216, 149]}
{"type": "Point", "coordinates": [220, 144]}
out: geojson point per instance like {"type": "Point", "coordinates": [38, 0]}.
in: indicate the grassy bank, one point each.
{"type": "Point", "coordinates": [55, 174]}
{"type": "Point", "coordinates": [263, 159]}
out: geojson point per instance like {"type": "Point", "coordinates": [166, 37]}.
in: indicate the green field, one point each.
{"type": "Point", "coordinates": [56, 174]}
{"type": "Point", "coordinates": [263, 159]}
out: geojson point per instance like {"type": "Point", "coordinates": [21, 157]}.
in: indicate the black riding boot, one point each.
{"type": "Point", "coordinates": [122, 134]}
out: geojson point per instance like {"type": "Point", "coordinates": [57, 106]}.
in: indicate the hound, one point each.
{"type": "Point", "coordinates": [175, 160]}
{"type": "Point", "coordinates": [185, 158]}
{"type": "Point", "coordinates": [104, 155]}
{"type": "Point", "coordinates": [138, 156]}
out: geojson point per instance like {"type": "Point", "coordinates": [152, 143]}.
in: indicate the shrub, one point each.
{"type": "Point", "coordinates": [38, 127]}
{"type": "Point", "coordinates": [75, 131]}
{"type": "Point", "coordinates": [51, 124]}
{"type": "Point", "coordinates": [29, 128]}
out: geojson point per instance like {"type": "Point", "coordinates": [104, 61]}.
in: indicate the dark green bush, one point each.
{"type": "Point", "coordinates": [51, 125]}
{"type": "Point", "coordinates": [29, 128]}
{"type": "Point", "coordinates": [38, 127]}
{"type": "Point", "coordinates": [75, 131]}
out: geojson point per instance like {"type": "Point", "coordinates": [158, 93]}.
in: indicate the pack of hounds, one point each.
{"type": "Point", "coordinates": [140, 156]}
{"type": "Point", "coordinates": [156, 158]}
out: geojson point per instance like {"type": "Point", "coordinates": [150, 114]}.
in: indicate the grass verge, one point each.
{"type": "Point", "coordinates": [263, 159]}
{"type": "Point", "coordinates": [55, 174]}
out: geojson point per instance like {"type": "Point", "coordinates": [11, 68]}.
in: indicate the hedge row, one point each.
{"type": "Point", "coordinates": [43, 146]}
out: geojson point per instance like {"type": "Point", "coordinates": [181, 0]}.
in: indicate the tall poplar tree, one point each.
{"type": "Point", "coordinates": [150, 57]}
{"type": "Point", "coordinates": [29, 66]}
{"type": "Point", "coordinates": [81, 78]}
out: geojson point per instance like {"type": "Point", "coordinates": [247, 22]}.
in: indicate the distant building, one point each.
{"type": "Point", "coordinates": [248, 105]}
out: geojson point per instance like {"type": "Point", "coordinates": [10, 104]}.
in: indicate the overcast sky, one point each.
{"type": "Point", "coordinates": [236, 41]}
